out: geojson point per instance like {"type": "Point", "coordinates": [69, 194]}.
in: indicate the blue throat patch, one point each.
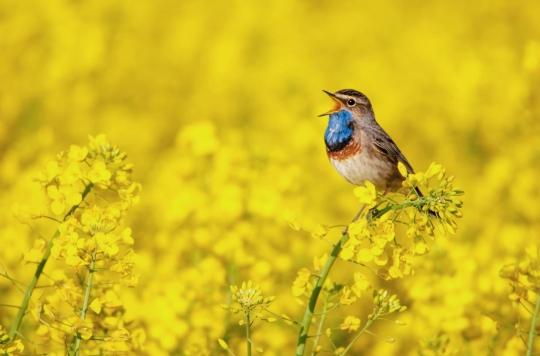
{"type": "Point", "coordinates": [339, 131]}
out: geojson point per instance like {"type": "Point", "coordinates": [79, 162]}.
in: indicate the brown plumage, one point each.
{"type": "Point", "coordinates": [370, 154]}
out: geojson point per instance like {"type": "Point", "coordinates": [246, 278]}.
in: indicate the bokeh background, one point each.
{"type": "Point", "coordinates": [216, 103]}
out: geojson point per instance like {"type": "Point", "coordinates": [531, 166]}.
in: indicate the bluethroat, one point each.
{"type": "Point", "coordinates": [358, 147]}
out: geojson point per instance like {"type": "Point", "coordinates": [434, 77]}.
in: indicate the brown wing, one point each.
{"type": "Point", "coordinates": [387, 147]}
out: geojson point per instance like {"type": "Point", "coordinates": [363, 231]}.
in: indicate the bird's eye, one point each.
{"type": "Point", "coordinates": [351, 102]}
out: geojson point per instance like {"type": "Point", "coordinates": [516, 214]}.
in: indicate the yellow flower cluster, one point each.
{"type": "Point", "coordinates": [350, 324]}
{"type": "Point", "coordinates": [524, 276]}
{"type": "Point", "coordinates": [91, 187]}
{"type": "Point", "coordinates": [524, 279]}
{"type": "Point", "coordinates": [385, 304]}
{"type": "Point", "coordinates": [386, 236]}
{"type": "Point", "coordinates": [248, 299]}
{"type": "Point", "coordinates": [8, 346]}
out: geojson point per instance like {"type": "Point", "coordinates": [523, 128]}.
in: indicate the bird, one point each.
{"type": "Point", "coordinates": [358, 147]}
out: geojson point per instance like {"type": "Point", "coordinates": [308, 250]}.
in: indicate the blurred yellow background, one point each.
{"type": "Point", "coordinates": [216, 103]}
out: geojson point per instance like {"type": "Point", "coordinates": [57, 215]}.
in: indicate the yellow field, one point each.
{"type": "Point", "coordinates": [215, 105]}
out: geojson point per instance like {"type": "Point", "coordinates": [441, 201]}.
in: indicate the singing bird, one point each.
{"type": "Point", "coordinates": [357, 145]}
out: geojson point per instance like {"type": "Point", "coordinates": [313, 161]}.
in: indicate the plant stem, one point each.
{"type": "Point", "coordinates": [398, 206]}
{"type": "Point", "coordinates": [14, 329]}
{"type": "Point", "coordinates": [532, 329]}
{"type": "Point", "coordinates": [15, 326]}
{"type": "Point", "coordinates": [247, 321]}
{"type": "Point", "coordinates": [310, 309]}
{"type": "Point", "coordinates": [86, 301]}
{"type": "Point", "coordinates": [321, 325]}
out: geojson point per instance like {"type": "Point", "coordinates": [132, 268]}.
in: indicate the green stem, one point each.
{"type": "Point", "coordinates": [15, 326]}
{"type": "Point", "coordinates": [321, 325]}
{"type": "Point", "coordinates": [86, 301]}
{"type": "Point", "coordinates": [398, 206]}
{"type": "Point", "coordinates": [247, 321]}
{"type": "Point", "coordinates": [532, 329]}
{"type": "Point", "coordinates": [310, 308]}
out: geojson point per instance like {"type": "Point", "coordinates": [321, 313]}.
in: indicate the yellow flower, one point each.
{"type": "Point", "coordinates": [63, 198]}
{"type": "Point", "coordinates": [85, 329]}
{"type": "Point", "coordinates": [99, 174]}
{"type": "Point", "coordinates": [36, 253]}
{"type": "Point", "coordinates": [74, 260]}
{"type": "Point", "coordinates": [385, 303]}
{"type": "Point", "coordinates": [96, 305]}
{"type": "Point", "coordinates": [301, 282]}
{"type": "Point", "coordinates": [138, 338]}
{"type": "Point", "coordinates": [350, 324]}
{"type": "Point", "coordinates": [366, 194]}
{"type": "Point", "coordinates": [346, 298]}
{"type": "Point", "coordinates": [319, 231]}
{"type": "Point", "coordinates": [433, 170]}
{"type": "Point", "coordinates": [126, 237]}
{"type": "Point", "coordinates": [111, 300]}
{"type": "Point", "coordinates": [364, 255]}
{"type": "Point", "coordinates": [77, 153]}
{"type": "Point", "coordinates": [9, 347]}
{"type": "Point", "coordinates": [249, 296]}
{"type": "Point", "coordinates": [110, 322]}
{"type": "Point", "coordinates": [347, 252]}
{"type": "Point", "coordinates": [358, 229]}
{"type": "Point", "coordinates": [71, 174]}
{"type": "Point", "coordinates": [318, 262]}
{"type": "Point", "coordinates": [42, 330]}
{"type": "Point", "coordinates": [360, 285]}
{"type": "Point", "coordinates": [421, 248]}
{"type": "Point", "coordinates": [107, 243]}
{"type": "Point", "coordinates": [402, 169]}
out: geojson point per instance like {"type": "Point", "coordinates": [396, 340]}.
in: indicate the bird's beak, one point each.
{"type": "Point", "coordinates": [337, 103]}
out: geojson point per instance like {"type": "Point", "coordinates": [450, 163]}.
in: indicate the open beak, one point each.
{"type": "Point", "coordinates": [337, 103]}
